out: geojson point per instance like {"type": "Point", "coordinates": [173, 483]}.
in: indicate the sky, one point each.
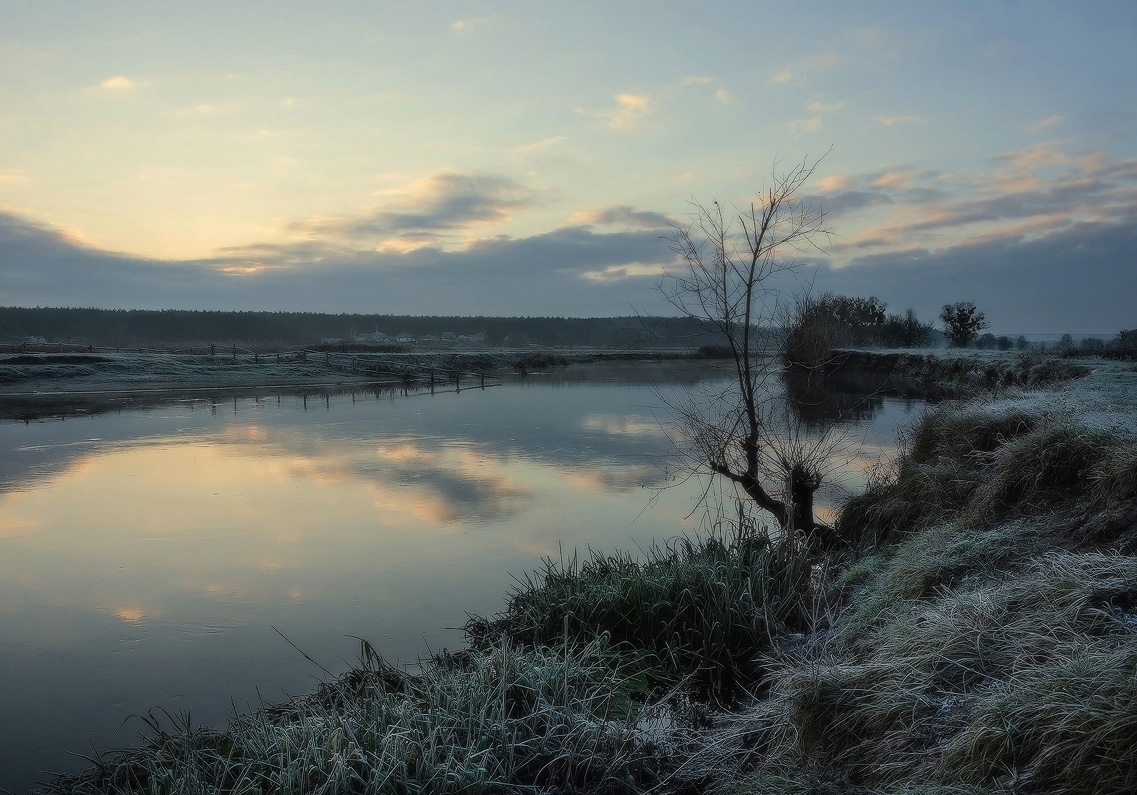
{"type": "Point", "coordinates": [520, 158]}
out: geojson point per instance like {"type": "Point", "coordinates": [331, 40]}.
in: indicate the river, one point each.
{"type": "Point", "coordinates": [182, 556]}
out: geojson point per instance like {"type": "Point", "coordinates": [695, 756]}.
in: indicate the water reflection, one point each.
{"type": "Point", "coordinates": [147, 554]}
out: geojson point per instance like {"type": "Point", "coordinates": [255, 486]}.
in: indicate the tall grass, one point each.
{"type": "Point", "coordinates": [983, 639]}
{"type": "Point", "coordinates": [506, 720]}
{"type": "Point", "coordinates": [702, 609]}
{"type": "Point", "coordinates": [998, 684]}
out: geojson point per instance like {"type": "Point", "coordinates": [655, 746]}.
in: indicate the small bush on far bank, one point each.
{"type": "Point", "coordinates": [714, 352]}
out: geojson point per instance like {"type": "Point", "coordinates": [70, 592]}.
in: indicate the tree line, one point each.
{"type": "Point", "coordinates": [170, 327]}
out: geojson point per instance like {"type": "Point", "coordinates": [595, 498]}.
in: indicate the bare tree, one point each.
{"type": "Point", "coordinates": [744, 432]}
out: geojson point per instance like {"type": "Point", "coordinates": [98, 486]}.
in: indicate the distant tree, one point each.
{"type": "Point", "coordinates": [906, 331]}
{"type": "Point", "coordinates": [962, 322]}
{"type": "Point", "coordinates": [1124, 345]}
{"type": "Point", "coordinates": [817, 324]}
{"type": "Point", "coordinates": [1021, 343]}
{"type": "Point", "coordinates": [1004, 343]}
{"type": "Point", "coordinates": [1067, 342]}
{"type": "Point", "coordinates": [1092, 345]}
{"type": "Point", "coordinates": [985, 342]}
{"type": "Point", "coordinates": [851, 321]}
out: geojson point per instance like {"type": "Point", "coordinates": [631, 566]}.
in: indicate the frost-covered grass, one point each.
{"type": "Point", "coordinates": [504, 720]}
{"type": "Point", "coordinates": [151, 371]}
{"type": "Point", "coordinates": [704, 611]}
{"type": "Point", "coordinates": [984, 637]}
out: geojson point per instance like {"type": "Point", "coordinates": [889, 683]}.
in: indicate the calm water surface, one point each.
{"type": "Point", "coordinates": [146, 556]}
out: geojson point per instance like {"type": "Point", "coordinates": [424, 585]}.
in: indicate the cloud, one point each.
{"type": "Point", "coordinates": [795, 74]}
{"type": "Point", "coordinates": [1067, 280]}
{"type": "Point", "coordinates": [784, 77]}
{"type": "Point", "coordinates": [1032, 157]}
{"type": "Point", "coordinates": [121, 85]}
{"type": "Point", "coordinates": [629, 111]}
{"type": "Point", "coordinates": [810, 125]}
{"type": "Point", "coordinates": [848, 201]}
{"type": "Point", "coordinates": [892, 121]}
{"type": "Point", "coordinates": [427, 210]}
{"type": "Point", "coordinates": [545, 274]}
{"type": "Point", "coordinates": [632, 109]}
{"type": "Point", "coordinates": [834, 183]}
{"type": "Point", "coordinates": [826, 107]}
{"type": "Point", "coordinates": [1011, 202]}
{"type": "Point", "coordinates": [622, 215]}
{"type": "Point", "coordinates": [522, 153]}
{"type": "Point", "coordinates": [622, 272]}
{"type": "Point", "coordinates": [473, 24]}
{"type": "Point", "coordinates": [1044, 124]}
{"type": "Point", "coordinates": [1055, 256]}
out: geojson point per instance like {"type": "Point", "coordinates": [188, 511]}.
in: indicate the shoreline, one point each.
{"type": "Point", "coordinates": [46, 385]}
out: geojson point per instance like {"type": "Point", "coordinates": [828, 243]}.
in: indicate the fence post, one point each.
{"type": "Point", "coordinates": [212, 349]}
{"type": "Point", "coordinates": [234, 353]}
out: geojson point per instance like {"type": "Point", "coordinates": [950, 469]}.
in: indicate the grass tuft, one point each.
{"type": "Point", "coordinates": [701, 609]}
{"type": "Point", "coordinates": [958, 431]}
{"type": "Point", "coordinates": [1053, 463]}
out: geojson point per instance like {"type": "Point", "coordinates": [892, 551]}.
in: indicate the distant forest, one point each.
{"type": "Point", "coordinates": [153, 328]}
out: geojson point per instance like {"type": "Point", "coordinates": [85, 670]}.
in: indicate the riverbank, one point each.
{"type": "Point", "coordinates": [978, 636]}
{"type": "Point", "coordinates": [49, 384]}
{"type": "Point", "coordinates": [947, 373]}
